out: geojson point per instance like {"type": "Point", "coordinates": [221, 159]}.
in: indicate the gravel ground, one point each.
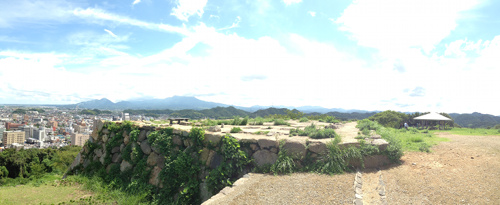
{"type": "Point", "coordinates": [465, 170]}
{"type": "Point", "coordinates": [299, 188]}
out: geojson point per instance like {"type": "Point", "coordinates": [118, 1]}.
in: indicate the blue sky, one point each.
{"type": "Point", "coordinates": [372, 55]}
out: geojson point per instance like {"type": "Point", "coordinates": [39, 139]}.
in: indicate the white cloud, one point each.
{"type": "Point", "coordinates": [290, 2]}
{"type": "Point", "coordinates": [234, 25]}
{"type": "Point", "coordinates": [98, 15]}
{"type": "Point", "coordinates": [34, 12]}
{"type": "Point", "coordinates": [312, 13]}
{"type": "Point", "coordinates": [187, 8]}
{"type": "Point", "coordinates": [392, 25]}
{"type": "Point", "coordinates": [110, 33]}
{"type": "Point", "coordinates": [136, 2]}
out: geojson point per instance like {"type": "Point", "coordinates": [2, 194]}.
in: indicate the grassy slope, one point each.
{"type": "Point", "coordinates": [49, 193]}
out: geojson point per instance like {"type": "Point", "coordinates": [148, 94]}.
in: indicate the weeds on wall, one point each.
{"type": "Point", "coordinates": [284, 164]}
{"type": "Point", "coordinates": [234, 162]}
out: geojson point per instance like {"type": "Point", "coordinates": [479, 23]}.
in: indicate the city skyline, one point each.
{"type": "Point", "coordinates": [384, 55]}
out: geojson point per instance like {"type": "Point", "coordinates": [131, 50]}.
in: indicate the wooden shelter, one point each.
{"type": "Point", "coordinates": [424, 119]}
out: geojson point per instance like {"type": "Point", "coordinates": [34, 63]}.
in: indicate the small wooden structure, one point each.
{"type": "Point", "coordinates": [178, 120]}
{"type": "Point", "coordinates": [424, 119]}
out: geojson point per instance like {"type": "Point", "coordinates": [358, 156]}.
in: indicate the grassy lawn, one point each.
{"type": "Point", "coordinates": [50, 189]}
{"type": "Point", "coordinates": [43, 194]}
{"type": "Point", "coordinates": [470, 131]}
{"type": "Point", "coordinates": [417, 140]}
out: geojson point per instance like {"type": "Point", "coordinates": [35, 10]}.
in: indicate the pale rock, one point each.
{"type": "Point", "coordinates": [152, 159]}
{"type": "Point", "coordinates": [381, 143]}
{"type": "Point", "coordinates": [213, 139]}
{"type": "Point", "coordinates": [117, 157]}
{"type": "Point", "coordinates": [176, 139]}
{"type": "Point", "coordinates": [76, 162]}
{"type": "Point", "coordinates": [115, 149]}
{"type": "Point", "coordinates": [98, 152]}
{"type": "Point", "coordinates": [297, 150]}
{"type": "Point", "coordinates": [254, 147]}
{"type": "Point", "coordinates": [214, 129]}
{"type": "Point", "coordinates": [204, 154]}
{"type": "Point", "coordinates": [142, 136]}
{"type": "Point", "coordinates": [154, 178]}
{"type": "Point", "coordinates": [124, 166]}
{"type": "Point", "coordinates": [263, 157]}
{"type": "Point", "coordinates": [274, 150]}
{"type": "Point", "coordinates": [145, 147]}
{"type": "Point", "coordinates": [318, 148]}
{"type": "Point", "coordinates": [267, 143]}
{"type": "Point", "coordinates": [105, 138]}
{"type": "Point", "coordinates": [126, 138]}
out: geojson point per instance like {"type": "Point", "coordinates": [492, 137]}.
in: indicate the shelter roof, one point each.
{"type": "Point", "coordinates": [432, 116]}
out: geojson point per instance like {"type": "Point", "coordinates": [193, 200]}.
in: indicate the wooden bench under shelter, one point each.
{"type": "Point", "coordinates": [178, 120]}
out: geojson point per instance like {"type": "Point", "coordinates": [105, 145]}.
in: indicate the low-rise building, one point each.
{"type": "Point", "coordinates": [79, 139]}
{"type": "Point", "coordinates": [10, 137]}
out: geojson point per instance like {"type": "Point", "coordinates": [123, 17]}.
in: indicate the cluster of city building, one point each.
{"type": "Point", "coordinates": [55, 127]}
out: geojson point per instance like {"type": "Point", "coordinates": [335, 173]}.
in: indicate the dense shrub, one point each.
{"type": "Point", "coordinates": [314, 132]}
{"type": "Point", "coordinates": [235, 130]}
{"type": "Point", "coordinates": [281, 122]}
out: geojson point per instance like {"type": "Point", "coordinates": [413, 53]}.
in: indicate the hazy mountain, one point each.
{"type": "Point", "coordinates": [475, 120]}
{"type": "Point", "coordinates": [96, 104]}
{"type": "Point", "coordinates": [183, 102]}
{"type": "Point", "coordinates": [173, 103]}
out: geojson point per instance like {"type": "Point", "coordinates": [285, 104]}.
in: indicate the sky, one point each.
{"type": "Point", "coordinates": [403, 55]}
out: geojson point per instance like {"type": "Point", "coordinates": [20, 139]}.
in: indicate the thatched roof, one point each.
{"type": "Point", "coordinates": [432, 116]}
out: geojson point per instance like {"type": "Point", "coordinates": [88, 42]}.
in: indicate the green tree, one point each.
{"type": "Point", "coordinates": [4, 173]}
{"type": "Point", "coordinates": [390, 118]}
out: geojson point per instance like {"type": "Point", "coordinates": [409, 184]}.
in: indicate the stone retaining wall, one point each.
{"type": "Point", "coordinates": [263, 151]}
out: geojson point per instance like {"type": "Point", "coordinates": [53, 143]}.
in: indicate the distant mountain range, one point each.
{"type": "Point", "coordinates": [193, 103]}
{"type": "Point", "coordinates": [475, 119]}
{"type": "Point", "coordinates": [195, 108]}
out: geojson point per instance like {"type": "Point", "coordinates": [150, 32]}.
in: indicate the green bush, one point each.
{"type": "Point", "coordinates": [236, 121]}
{"type": "Point", "coordinates": [258, 121]}
{"type": "Point", "coordinates": [424, 147]}
{"type": "Point", "coordinates": [314, 133]}
{"type": "Point", "coordinates": [389, 118]}
{"type": "Point", "coordinates": [235, 130]}
{"type": "Point", "coordinates": [365, 131]}
{"type": "Point", "coordinates": [244, 122]}
{"type": "Point", "coordinates": [337, 160]}
{"type": "Point", "coordinates": [416, 139]}
{"type": "Point", "coordinates": [304, 119]}
{"type": "Point", "coordinates": [281, 122]}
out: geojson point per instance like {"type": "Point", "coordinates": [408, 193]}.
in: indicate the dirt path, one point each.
{"type": "Point", "coordinates": [348, 132]}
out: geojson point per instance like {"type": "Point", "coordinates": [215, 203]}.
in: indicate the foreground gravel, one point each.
{"type": "Point", "coordinates": [299, 188]}
{"type": "Point", "coordinates": [465, 170]}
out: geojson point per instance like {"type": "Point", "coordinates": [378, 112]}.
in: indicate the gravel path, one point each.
{"type": "Point", "coordinates": [299, 188]}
